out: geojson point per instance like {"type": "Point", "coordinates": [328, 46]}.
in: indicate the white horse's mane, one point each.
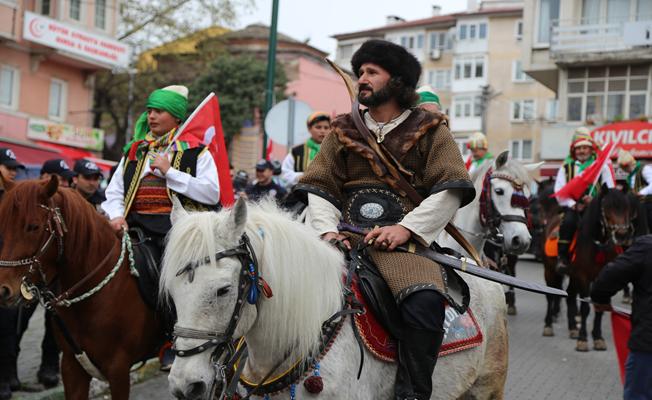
{"type": "Point", "coordinates": [293, 260]}
{"type": "Point", "coordinates": [512, 168]}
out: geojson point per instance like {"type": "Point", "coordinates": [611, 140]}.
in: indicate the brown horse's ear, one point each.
{"type": "Point", "coordinates": [7, 185]}
{"type": "Point", "coordinates": [51, 186]}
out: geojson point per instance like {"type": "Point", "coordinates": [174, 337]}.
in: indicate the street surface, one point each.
{"type": "Point", "coordinates": [540, 368]}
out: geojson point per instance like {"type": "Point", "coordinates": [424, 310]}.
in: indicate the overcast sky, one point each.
{"type": "Point", "coordinates": [318, 20]}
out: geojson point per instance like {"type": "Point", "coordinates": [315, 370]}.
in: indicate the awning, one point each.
{"type": "Point", "coordinates": [31, 154]}
{"type": "Point", "coordinates": [75, 154]}
{"type": "Point", "coordinates": [549, 169]}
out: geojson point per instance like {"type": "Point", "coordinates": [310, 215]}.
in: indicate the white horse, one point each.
{"type": "Point", "coordinates": [507, 176]}
{"type": "Point", "coordinates": [305, 274]}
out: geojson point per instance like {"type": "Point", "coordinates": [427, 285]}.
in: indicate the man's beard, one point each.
{"type": "Point", "coordinates": [382, 96]}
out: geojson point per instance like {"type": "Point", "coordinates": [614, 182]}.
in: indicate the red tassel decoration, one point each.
{"type": "Point", "coordinates": [314, 384]}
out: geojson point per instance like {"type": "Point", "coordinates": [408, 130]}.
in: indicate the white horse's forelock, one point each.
{"type": "Point", "coordinates": [295, 262]}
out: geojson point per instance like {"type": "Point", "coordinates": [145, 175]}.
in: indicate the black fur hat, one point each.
{"type": "Point", "coordinates": [391, 57]}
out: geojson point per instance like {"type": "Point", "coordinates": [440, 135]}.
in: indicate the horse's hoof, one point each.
{"type": "Point", "coordinates": [582, 345]}
{"type": "Point", "coordinates": [547, 331]}
{"type": "Point", "coordinates": [574, 334]}
{"type": "Point", "coordinates": [627, 300]}
{"type": "Point", "coordinates": [511, 310]}
{"type": "Point", "coordinates": [599, 344]}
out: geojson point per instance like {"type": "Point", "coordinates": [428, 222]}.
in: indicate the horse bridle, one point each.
{"type": "Point", "coordinates": [609, 230]}
{"type": "Point", "coordinates": [489, 215]}
{"type": "Point", "coordinates": [56, 227]}
{"type": "Point", "coordinates": [250, 285]}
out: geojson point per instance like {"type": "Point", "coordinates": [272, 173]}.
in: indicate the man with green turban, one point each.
{"type": "Point", "coordinates": [155, 166]}
{"type": "Point", "coordinates": [428, 99]}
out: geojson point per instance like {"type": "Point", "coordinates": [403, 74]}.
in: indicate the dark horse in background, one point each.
{"type": "Point", "coordinates": [54, 239]}
{"type": "Point", "coordinates": [608, 226]}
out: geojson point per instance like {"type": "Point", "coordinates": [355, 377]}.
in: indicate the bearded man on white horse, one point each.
{"type": "Point", "coordinates": [348, 181]}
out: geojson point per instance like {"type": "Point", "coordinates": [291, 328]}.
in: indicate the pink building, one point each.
{"type": "Point", "coordinates": [49, 54]}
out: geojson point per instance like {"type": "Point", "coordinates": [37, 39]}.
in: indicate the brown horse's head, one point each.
{"type": "Point", "coordinates": [616, 217]}
{"type": "Point", "coordinates": [43, 224]}
{"type": "Point", "coordinates": [25, 229]}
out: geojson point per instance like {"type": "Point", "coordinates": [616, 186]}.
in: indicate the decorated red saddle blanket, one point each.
{"type": "Point", "coordinates": [462, 332]}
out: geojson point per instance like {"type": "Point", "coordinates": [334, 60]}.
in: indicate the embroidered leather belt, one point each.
{"type": "Point", "coordinates": [368, 207]}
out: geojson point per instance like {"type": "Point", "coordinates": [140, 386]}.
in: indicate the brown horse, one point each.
{"type": "Point", "coordinates": [53, 240]}
{"type": "Point", "coordinates": [609, 224]}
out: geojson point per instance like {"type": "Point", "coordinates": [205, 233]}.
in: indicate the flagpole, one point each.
{"type": "Point", "coordinates": [597, 177]}
{"type": "Point", "coordinates": [185, 123]}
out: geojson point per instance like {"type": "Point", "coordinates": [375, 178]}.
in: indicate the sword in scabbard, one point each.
{"type": "Point", "coordinates": [465, 265]}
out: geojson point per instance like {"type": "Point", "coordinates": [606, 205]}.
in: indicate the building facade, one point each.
{"type": "Point", "coordinates": [50, 51]}
{"type": "Point", "coordinates": [473, 61]}
{"type": "Point", "coordinates": [595, 55]}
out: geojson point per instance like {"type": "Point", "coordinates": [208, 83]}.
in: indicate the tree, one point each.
{"type": "Point", "coordinates": [144, 25]}
{"type": "Point", "coordinates": [239, 83]}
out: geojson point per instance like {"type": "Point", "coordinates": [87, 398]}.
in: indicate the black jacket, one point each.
{"type": "Point", "coordinates": [635, 266]}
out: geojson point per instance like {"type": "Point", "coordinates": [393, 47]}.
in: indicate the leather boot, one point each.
{"type": "Point", "coordinates": [48, 375]}
{"type": "Point", "coordinates": [5, 390]}
{"type": "Point", "coordinates": [563, 260]}
{"type": "Point", "coordinates": [417, 356]}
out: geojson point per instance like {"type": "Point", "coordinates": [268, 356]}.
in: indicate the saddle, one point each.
{"type": "Point", "coordinates": [147, 257]}
{"type": "Point", "coordinates": [381, 325]}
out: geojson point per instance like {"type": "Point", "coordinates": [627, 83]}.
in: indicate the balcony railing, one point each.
{"type": "Point", "coordinates": [571, 36]}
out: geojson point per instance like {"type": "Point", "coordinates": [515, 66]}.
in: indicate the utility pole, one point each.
{"type": "Point", "coordinates": [485, 96]}
{"type": "Point", "coordinates": [271, 69]}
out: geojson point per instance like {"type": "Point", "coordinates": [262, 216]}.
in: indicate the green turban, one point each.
{"type": "Point", "coordinates": [162, 99]}
{"type": "Point", "coordinates": [428, 98]}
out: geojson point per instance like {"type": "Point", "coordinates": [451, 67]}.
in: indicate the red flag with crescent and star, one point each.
{"type": "Point", "coordinates": [205, 124]}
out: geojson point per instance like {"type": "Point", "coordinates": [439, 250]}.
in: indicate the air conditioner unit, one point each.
{"type": "Point", "coordinates": [435, 54]}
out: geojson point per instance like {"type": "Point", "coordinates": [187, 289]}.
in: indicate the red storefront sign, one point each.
{"type": "Point", "coordinates": [633, 136]}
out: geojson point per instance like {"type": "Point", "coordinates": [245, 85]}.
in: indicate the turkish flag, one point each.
{"type": "Point", "coordinates": [205, 125]}
{"type": "Point", "coordinates": [578, 185]}
{"type": "Point", "coordinates": [621, 328]}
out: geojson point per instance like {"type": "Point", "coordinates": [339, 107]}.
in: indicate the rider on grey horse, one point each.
{"type": "Point", "coordinates": [347, 181]}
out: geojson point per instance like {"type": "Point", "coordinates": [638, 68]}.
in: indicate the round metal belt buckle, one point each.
{"type": "Point", "coordinates": [26, 292]}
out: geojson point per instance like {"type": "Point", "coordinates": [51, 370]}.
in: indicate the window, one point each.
{"type": "Point", "coordinates": [473, 31]}
{"type": "Point", "coordinates": [517, 72]}
{"type": "Point", "coordinates": [482, 30]}
{"type": "Point", "coordinates": [522, 110]}
{"type": "Point", "coordinates": [521, 149]}
{"type": "Point", "coordinates": [100, 14]}
{"type": "Point", "coordinates": [75, 10]}
{"type": "Point", "coordinates": [58, 98]}
{"type": "Point", "coordinates": [8, 87]}
{"type": "Point", "coordinates": [605, 94]}
{"type": "Point", "coordinates": [469, 68]}
{"type": "Point", "coordinates": [404, 41]}
{"type": "Point", "coordinates": [438, 40]}
{"type": "Point", "coordinates": [551, 109]}
{"type": "Point", "coordinates": [419, 41]}
{"type": "Point", "coordinates": [467, 106]}
{"type": "Point", "coordinates": [440, 79]}
{"type": "Point", "coordinates": [43, 7]}
{"type": "Point", "coordinates": [518, 30]}
{"type": "Point", "coordinates": [644, 10]}
{"type": "Point", "coordinates": [346, 51]}
{"type": "Point", "coordinates": [548, 13]}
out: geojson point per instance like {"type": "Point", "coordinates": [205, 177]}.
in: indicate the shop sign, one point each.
{"type": "Point", "coordinates": [88, 45]}
{"type": "Point", "coordinates": [69, 135]}
{"type": "Point", "coordinates": [633, 136]}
